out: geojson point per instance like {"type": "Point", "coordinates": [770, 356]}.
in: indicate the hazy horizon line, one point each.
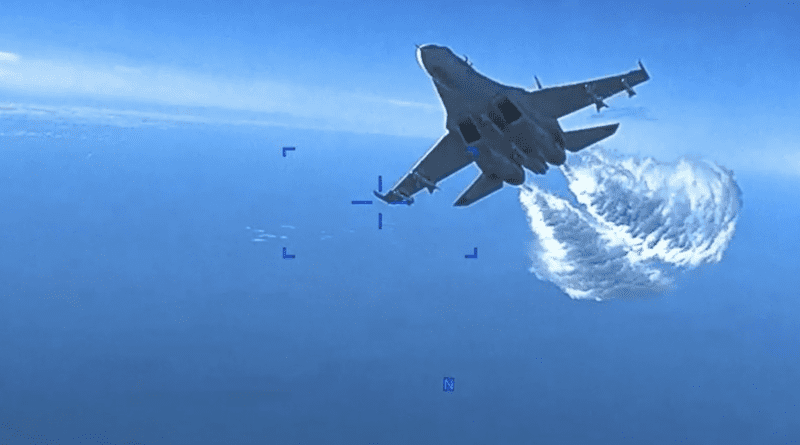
{"type": "Point", "coordinates": [168, 87]}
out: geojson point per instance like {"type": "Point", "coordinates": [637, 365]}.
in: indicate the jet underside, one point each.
{"type": "Point", "coordinates": [502, 129]}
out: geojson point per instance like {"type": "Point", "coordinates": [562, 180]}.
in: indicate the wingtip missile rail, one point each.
{"type": "Point", "coordinates": [390, 198]}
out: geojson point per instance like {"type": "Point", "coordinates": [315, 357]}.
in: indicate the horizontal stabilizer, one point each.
{"type": "Point", "coordinates": [579, 139]}
{"type": "Point", "coordinates": [481, 188]}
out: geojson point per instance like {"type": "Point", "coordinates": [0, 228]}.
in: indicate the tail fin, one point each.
{"type": "Point", "coordinates": [580, 139]}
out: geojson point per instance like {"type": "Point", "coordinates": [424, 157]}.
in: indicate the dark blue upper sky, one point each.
{"type": "Point", "coordinates": [723, 73]}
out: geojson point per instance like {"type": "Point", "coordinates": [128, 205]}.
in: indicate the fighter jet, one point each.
{"type": "Point", "coordinates": [503, 129]}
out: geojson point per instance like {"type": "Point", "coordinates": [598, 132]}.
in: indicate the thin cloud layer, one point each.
{"type": "Point", "coordinates": [302, 106]}
{"type": "Point", "coordinates": [632, 224]}
{"type": "Point", "coordinates": [642, 113]}
{"type": "Point", "coordinates": [8, 57]}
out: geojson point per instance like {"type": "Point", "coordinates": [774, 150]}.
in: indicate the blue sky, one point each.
{"type": "Point", "coordinates": [137, 308]}
{"type": "Point", "coordinates": [722, 83]}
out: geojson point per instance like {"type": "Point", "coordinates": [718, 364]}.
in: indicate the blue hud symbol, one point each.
{"type": "Point", "coordinates": [449, 384]}
{"type": "Point", "coordinates": [474, 152]}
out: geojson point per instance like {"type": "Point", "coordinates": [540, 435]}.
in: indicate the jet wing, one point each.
{"type": "Point", "coordinates": [481, 188]}
{"type": "Point", "coordinates": [562, 100]}
{"type": "Point", "coordinates": [446, 157]}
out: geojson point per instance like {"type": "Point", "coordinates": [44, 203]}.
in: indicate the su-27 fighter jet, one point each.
{"type": "Point", "coordinates": [502, 128]}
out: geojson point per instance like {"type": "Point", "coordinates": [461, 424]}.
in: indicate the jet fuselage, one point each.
{"type": "Point", "coordinates": [492, 118]}
{"type": "Point", "coordinates": [502, 129]}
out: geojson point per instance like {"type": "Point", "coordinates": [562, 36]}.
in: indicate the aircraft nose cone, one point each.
{"type": "Point", "coordinates": [425, 54]}
{"type": "Point", "coordinates": [421, 57]}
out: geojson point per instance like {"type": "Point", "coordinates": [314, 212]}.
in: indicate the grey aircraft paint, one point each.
{"type": "Point", "coordinates": [503, 129]}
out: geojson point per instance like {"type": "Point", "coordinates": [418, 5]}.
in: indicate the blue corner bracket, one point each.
{"type": "Point", "coordinates": [285, 256]}
{"type": "Point", "coordinates": [449, 384]}
{"type": "Point", "coordinates": [474, 254]}
{"type": "Point", "coordinates": [285, 149]}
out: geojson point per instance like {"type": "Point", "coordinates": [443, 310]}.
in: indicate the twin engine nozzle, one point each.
{"type": "Point", "coordinates": [514, 138]}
